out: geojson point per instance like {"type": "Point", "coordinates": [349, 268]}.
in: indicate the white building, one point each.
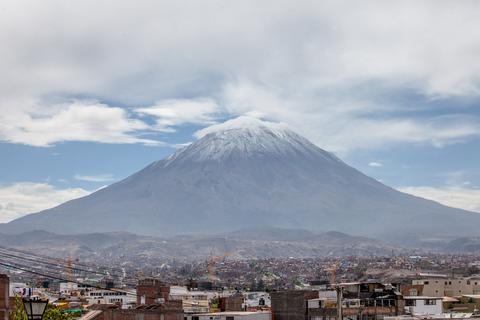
{"type": "Point", "coordinates": [257, 299]}
{"type": "Point", "coordinates": [192, 301]}
{"type": "Point", "coordinates": [19, 288]}
{"type": "Point", "coordinates": [111, 297]}
{"type": "Point", "coordinates": [423, 305]}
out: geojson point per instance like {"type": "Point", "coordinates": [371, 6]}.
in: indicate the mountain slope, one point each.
{"type": "Point", "coordinates": [246, 173]}
{"type": "Point", "coordinates": [134, 249]}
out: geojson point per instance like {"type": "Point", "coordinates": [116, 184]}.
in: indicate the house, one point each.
{"type": "Point", "coordinates": [360, 300]}
{"type": "Point", "coordinates": [439, 286]}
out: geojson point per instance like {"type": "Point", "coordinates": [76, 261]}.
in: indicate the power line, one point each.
{"type": "Point", "coordinates": [56, 260]}
{"type": "Point", "coordinates": [55, 267]}
{"type": "Point", "coordinates": [22, 268]}
{"type": "Point", "coordinates": [4, 254]}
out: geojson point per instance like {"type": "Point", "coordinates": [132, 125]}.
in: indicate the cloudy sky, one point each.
{"type": "Point", "coordinates": [92, 91]}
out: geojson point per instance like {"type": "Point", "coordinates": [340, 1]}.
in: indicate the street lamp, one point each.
{"type": "Point", "coordinates": [34, 307]}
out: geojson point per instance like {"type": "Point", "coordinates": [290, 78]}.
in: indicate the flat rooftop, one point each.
{"type": "Point", "coordinates": [421, 298]}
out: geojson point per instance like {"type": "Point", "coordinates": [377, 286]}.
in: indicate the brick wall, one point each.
{"type": "Point", "coordinates": [291, 305]}
{"type": "Point", "coordinates": [151, 291]}
{"type": "Point", "coordinates": [4, 298]}
{"type": "Point", "coordinates": [171, 310]}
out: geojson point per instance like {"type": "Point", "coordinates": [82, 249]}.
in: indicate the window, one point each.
{"type": "Point", "coordinates": [430, 302]}
{"type": "Point", "coordinates": [229, 318]}
{"type": "Point", "coordinates": [410, 302]}
{"type": "Point", "coordinates": [425, 282]}
{"type": "Point", "coordinates": [468, 282]}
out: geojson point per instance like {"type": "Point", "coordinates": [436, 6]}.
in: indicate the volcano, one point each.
{"type": "Point", "coordinates": [246, 173]}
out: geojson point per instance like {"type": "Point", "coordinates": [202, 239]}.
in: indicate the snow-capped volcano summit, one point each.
{"type": "Point", "coordinates": [245, 173]}
{"type": "Point", "coordinates": [246, 137]}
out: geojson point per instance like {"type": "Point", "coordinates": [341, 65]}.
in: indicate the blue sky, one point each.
{"type": "Point", "coordinates": [96, 94]}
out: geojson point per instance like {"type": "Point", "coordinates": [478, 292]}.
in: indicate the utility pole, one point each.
{"type": "Point", "coordinates": [339, 290]}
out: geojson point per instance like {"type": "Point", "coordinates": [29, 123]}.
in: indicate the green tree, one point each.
{"type": "Point", "coordinates": [18, 311]}
{"type": "Point", "coordinates": [54, 313]}
{"type": "Point", "coordinates": [51, 313]}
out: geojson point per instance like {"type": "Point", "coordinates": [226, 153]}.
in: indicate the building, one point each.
{"type": "Point", "coordinates": [4, 296]}
{"type": "Point", "coordinates": [411, 289]}
{"type": "Point", "coordinates": [231, 303]}
{"type": "Point", "coordinates": [99, 296]}
{"type": "Point", "coordinates": [232, 315]}
{"type": "Point", "coordinates": [439, 286]}
{"type": "Point", "coordinates": [257, 300]}
{"type": "Point", "coordinates": [192, 301]}
{"type": "Point", "coordinates": [170, 310]}
{"type": "Point", "coordinates": [72, 288]}
{"type": "Point", "coordinates": [152, 291]}
{"type": "Point", "coordinates": [369, 300]}
{"type": "Point", "coordinates": [423, 305]}
{"type": "Point", "coordinates": [291, 304]}
{"type": "Point", "coordinates": [465, 303]}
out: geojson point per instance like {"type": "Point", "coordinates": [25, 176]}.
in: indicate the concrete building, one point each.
{"type": "Point", "coordinates": [4, 297]}
{"type": "Point", "coordinates": [411, 290]}
{"type": "Point", "coordinates": [439, 286]}
{"type": "Point", "coordinates": [423, 305]}
{"type": "Point", "coordinates": [257, 300]}
{"type": "Point", "coordinates": [370, 300]}
{"type": "Point", "coordinates": [72, 288]}
{"type": "Point", "coordinates": [111, 297]}
{"type": "Point", "coordinates": [465, 303]}
{"type": "Point", "coordinates": [192, 301]}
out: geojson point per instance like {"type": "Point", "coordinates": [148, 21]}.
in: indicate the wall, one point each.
{"type": "Point", "coordinates": [171, 310]}
{"type": "Point", "coordinates": [421, 308]}
{"type": "Point", "coordinates": [439, 287]}
{"type": "Point", "coordinates": [4, 297]}
{"type": "Point", "coordinates": [291, 305]}
{"type": "Point", "coordinates": [152, 291]}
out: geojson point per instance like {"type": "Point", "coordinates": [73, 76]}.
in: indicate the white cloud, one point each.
{"type": "Point", "coordinates": [375, 164]}
{"type": "Point", "coordinates": [77, 121]}
{"type": "Point", "coordinates": [345, 124]}
{"type": "Point", "coordinates": [323, 67]}
{"type": "Point", "coordinates": [94, 178]}
{"type": "Point", "coordinates": [172, 113]}
{"type": "Point", "coordinates": [22, 198]}
{"type": "Point", "coordinates": [453, 196]}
